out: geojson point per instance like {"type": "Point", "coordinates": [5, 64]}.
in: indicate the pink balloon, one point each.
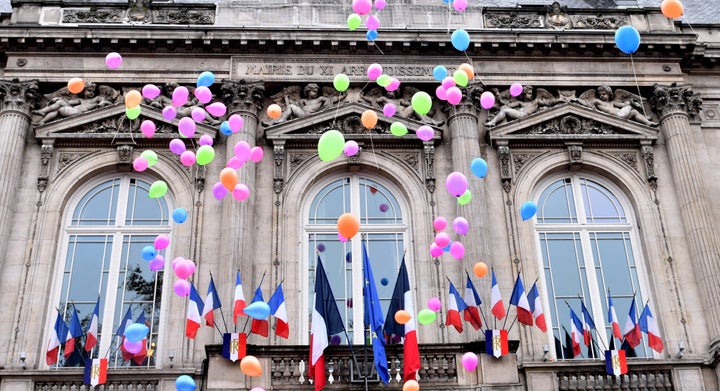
{"type": "Point", "coordinates": [372, 22]}
{"type": "Point", "coordinates": [180, 96]}
{"type": "Point", "coordinates": [256, 154]}
{"type": "Point", "coordinates": [188, 158]}
{"type": "Point", "coordinates": [181, 288]}
{"type": "Point", "coordinates": [456, 184]}
{"type": "Point", "coordinates": [187, 127]}
{"type": "Point", "coordinates": [257, 389]}
{"type": "Point", "coordinates": [134, 347]}
{"type": "Point", "coordinates": [198, 114]}
{"type": "Point", "coordinates": [454, 95]}
{"type": "Point", "coordinates": [461, 226]}
{"type": "Point", "coordinates": [184, 268]}
{"type": "Point", "coordinates": [177, 146]}
{"type": "Point", "coordinates": [487, 100]}
{"type": "Point", "coordinates": [206, 139]}
{"type": "Point", "coordinates": [459, 5]}
{"type": "Point", "coordinates": [241, 192]}
{"type": "Point", "coordinates": [162, 241]}
{"type": "Point", "coordinates": [150, 91]}
{"type": "Point", "coordinates": [389, 109]}
{"type": "Point", "coordinates": [374, 71]}
{"type": "Point", "coordinates": [441, 93]}
{"type": "Point", "coordinates": [457, 250]}
{"type": "Point", "coordinates": [217, 109]}
{"type": "Point", "coordinates": [394, 84]}
{"type": "Point", "coordinates": [219, 191]}
{"type": "Point", "coordinates": [113, 60]}
{"type": "Point", "coordinates": [242, 150]}
{"type": "Point", "coordinates": [434, 303]}
{"type": "Point", "coordinates": [425, 133]}
{"type": "Point", "coordinates": [440, 223]}
{"type": "Point", "coordinates": [157, 263]}
{"type": "Point", "coordinates": [516, 89]}
{"type": "Point", "coordinates": [147, 128]}
{"type": "Point", "coordinates": [380, 4]}
{"type": "Point", "coordinates": [235, 162]}
{"type": "Point", "coordinates": [469, 359]}
{"type": "Point", "coordinates": [140, 164]}
{"type": "Point", "coordinates": [435, 251]}
{"type": "Point", "coordinates": [342, 238]}
{"type": "Point", "coordinates": [448, 82]}
{"type": "Point", "coordinates": [236, 123]}
{"type": "Point", "coordinates": [351, 148]}
{"type": "Point", "coordinates": [203, 94]}
{"type": "Point", "coordinates": [169, 113]}
{"type": "Point", "coordinates": [361, 7]}
{"type": "Point", "coordinates": [442, 239]}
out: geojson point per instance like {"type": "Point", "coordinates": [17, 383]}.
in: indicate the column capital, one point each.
{"type": "Point", "coordinates": [241, 96]}
{"type": "Point", "coordinates": [675, 99]}
{"type": "Point", "coordinates": [19, 95]}
{"type": "Point", "coordinates": [469, 103]}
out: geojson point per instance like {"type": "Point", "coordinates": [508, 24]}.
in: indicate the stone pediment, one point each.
{"type": "Point", "coordinates": [572, 122]}
{"type": "Point", "coordinates": [109, 126]}
{"type": "Point", "coordinates": [307, 130]}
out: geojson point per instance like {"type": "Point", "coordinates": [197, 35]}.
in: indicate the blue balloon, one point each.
{"type": "Point", "coordinates": [258, 310]}
{"type": "Point", "coordinates": [179, 215]}
{"type": "Point", "coordinates": [460, 39]}
{"type": "Point", "coordinates": [206, 79]}
{"type": "Point", "coordinates": [136, 332]}
{"type": "Point", "coordinates": [384, 281]}
{"type": "Point", "coordinates": [627, 39]}
{"type": "Point", "coordinates": [149, 252]}
{"type": "Point", "coordinates": [371, 35]}
{"type": "Point", "coordinates": [225, 128]}
{"type": "Point", "coordinates": [479, 167]}
{"type": "Point", "coordinates": [185, 383]}
{"type": "Point", "coordinates": [439, 73]}
{"type": "Point", "coordinates": [447, 248]}
{"type": "Point", "coordinates": [527, 210]}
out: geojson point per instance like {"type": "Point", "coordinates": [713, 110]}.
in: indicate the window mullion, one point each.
{"type": "Point", "coordinates": [111, 294]}
{"type": "Point", "coordinates": [357, 272]}
{"type": "Point", "coordinates": [595, 304]}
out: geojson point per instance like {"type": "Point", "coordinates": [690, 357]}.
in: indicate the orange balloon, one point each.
{"type": "Point", "coordinates": [250, 366]}
{"type": "Point", "coordinates": [76, 85]}
{"type": "Point", "coordinates": [348, 225]}
{"type": "Point", "coordinates": [480, 269]}
{"type": "Point", "coordinates": [133, 99]}
{"type": "Point", "coordinates": [402, 316]}
{"type": "Point", "coordinates": [469, 70]}
{"type": "Point", "coordinates": [672, 8]}
{"type": "Point", "coordinates": [411, 385]}
{"type": "Point", "coordinates": [274, 111]}
{"type": "Point", "coordinates": [369, 119]}
{"type": "Point", "coordinates": [229, 178]}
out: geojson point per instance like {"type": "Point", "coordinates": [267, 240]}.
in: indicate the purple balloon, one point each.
{"type": "Point", "coordinates": [457, 250]}
{"type": "Point", "coordinates": [169, 113]}
{"type": "Point", "coordinates": [242, 150]}
{"type": "Point", "coordinates": [487, 100]}
{"type": "Point", "coordinates": [133, 347]}
{"type": "Point", "coordinates": [425, 133]}
{"type": "Point", "coordinates": [461, 226]}
{"type": "Point", "coordinates": [181, 288]}
{"type": "Point", "coordinates": [456, 183]}
{"type": "Point", "coordinates": [235, 162]}
{"type": "Point", "coordinates": [203, 94]}
{"type": "Point", "coordinates": [335, 340]}
{"type": "Point", "coordinates": [150, 91]}
{"type": "Point", "coordinates": [321, 247]}
{"type": "Point", "coordinates": [441, 93]}
{"type": "Point", "coordinates": [198, 114]}
{"type": "Point", "coordinates": [219, 191]}
{"type": "Point", "coordinates": [372, 22]}
{"type": "Point", "coordinates": [516, 89]}
{"type": "Point", "coordinates": [384, 207]}
{"type": "Point", "coordinates": [351, 148]}
{"type": "Point", "coordinates": [177, 146]}
{"type": "Point", "coordinates": [157, 263]}
{"type": "Point", "coordinates": [206, 139]}
{"type": "Point", "coordinates": [389, 109]}
{"type": "Point", "coordinates": [256, 154]}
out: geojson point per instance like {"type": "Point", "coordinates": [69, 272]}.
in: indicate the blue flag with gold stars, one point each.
{"type": "Point", "coordinates": [374, 318]}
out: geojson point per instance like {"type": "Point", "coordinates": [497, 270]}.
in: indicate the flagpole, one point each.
{"type": "Point", "coordinates": [563, 346]}
{"type": "Point", "coordinates": [235, 318]}
{"type": "Point", "coordinates": [482, 313]}
{"type": "Point", "coordinates": [516, 314]}
{"type": "Point", "coordinates": [222, 315]}
{"type": "Point", "coordinates": [248, 318]}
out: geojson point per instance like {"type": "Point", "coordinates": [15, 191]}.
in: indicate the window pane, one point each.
{"type": "Point", "coordinates": [385, 252]}
{"type": "Point", "coordinates": [556, 205]}
{"type": "Point", "coordinates": [143, 210]}
{"type": "Point", "coordinates": [331, 202]}
{"type": "Point", "coordinates": [601, 206]}
{"type": "Point", "coordinates": [98, 206]}
{"type": "Point", "coordinates": [377, 204]}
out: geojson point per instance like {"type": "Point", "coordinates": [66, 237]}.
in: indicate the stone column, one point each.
{"type": "Point", "coordinates": [675, 104]}
{"type": "Point", "coordinates": [16, 100]}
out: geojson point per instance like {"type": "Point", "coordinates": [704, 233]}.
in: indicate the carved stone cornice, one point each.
{"type": "Point", "coordinates": [241, 96]}
{"type": "Point", "coordinates": [140, 13]}
{"type": "Point", "coordinates": [675, 99]}
{"type": "Point", "coordinates": [19, 96]}
{"type": "Point", "coordinates": [555, 17]}
{"type": "Point", "coordinates": [570, 124]}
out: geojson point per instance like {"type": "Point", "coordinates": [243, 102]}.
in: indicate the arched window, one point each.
{"type": "Point", "coordinates": [382, 227]}
{"type": "Point", "coordinates": [587, 241]}
{"type": "Point", "coordinates": [107, 225]}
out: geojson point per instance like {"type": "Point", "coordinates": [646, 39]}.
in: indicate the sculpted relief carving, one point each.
{"type": "Point", "coordinates": [312, 100]}
{"type": "Point", "coordinates": [62, 104]}
{"type": "Point", "coordinates": [621, 103]}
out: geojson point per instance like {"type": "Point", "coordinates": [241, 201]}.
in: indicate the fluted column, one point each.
{"type": "Point", "coordinates": [674, 104]}
{"type": "Point", "coordinates": [16, 101]}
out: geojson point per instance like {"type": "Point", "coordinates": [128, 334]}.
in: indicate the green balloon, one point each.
{"type": "Point", "coordinates": [426, 316]}
{"type": "Point", "coordinates": [151, 157]}
{"type": "Point", "coordinates": [132, 112]}
{"type": "Point", "coordinates": [398, 129]}
{"type": "Point", "coordinates": [460, 78]}
{"type": "Point", "coordinates": [331, 145]}
{"type": "Point", "coordinates": [421, 102]}
{"type": "Point", "coordinates": [157, 189]}
{"type": "Point", "coordinates": [353, 21]}
{"type": "Point", "coordinates": [204, 155]}
{"type": "Point", "coordinates": [341, 82]}
{"type": "Point", "coordinates": [465, 197]}
{"type": "Point", "coordinates": [383, 80]}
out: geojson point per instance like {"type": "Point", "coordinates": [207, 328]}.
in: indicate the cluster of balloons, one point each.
{"type": "Point", "coordinates": [134, 335]}
{"type": "Point", "coordinates": [443, 243]}
{"type": "Point", "coordinates": [449, 90]}
{"type": "Point", "coordinates": [372, 22]}
{"type": "Point", "coordinates": [229, 177]}
{"type": "Point", "coordinates": [375, 73]}
{"type": "Point", "coordinates": [183, 269]}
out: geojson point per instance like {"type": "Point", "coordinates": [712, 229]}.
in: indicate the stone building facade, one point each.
{"type": "Point", "coordinates": [610, 147]}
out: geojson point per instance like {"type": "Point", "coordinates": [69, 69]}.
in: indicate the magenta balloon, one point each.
{"type": "Point", "coordinates": [236, 123]}
{"type": "Point", "coordinates": [203, 94]}
{"type": "Point", "coordinates": [113, 60]}
{"type": "Point", "coordinates": [184, 268]}
{"type": "Point", "coordinates": [389, 109]}
{"type": "Point", "coordinates": [217, 109]}
{"type": "Point", "coordinates": [448, 82]}
{"type": "Point", "coordinates": [147, 128]}
{"type": "Point", "coordinates": [459, 5]}
{"type": "Point", "coordinates": [425, 133]}
{"type": "Point", "coordinates": [374, 71]}
{"type": "Point", "coordinates": [187, 127]}
{"type": "Point", "coordinates": [188, 158]}
{"type": "Point", "coordinates": [150, 91]}
{"type": "Point", "coordinates": [198, 114]}
{"type": "Point", "coordinates": [440, 223]}
{"type": "Point", "coordinates": [457, 250]}
{"type": "Point", "coordinates": [157, 263]}
{"type": "Point", "coordinates": [241, 192]}
{"type": "Point", "coordinates": [454, 95]}
{"type": "Point", "coordinates": [176, 261]}
{"type": "Point", "coordinates": [361, 7]}
{"type": "Point", "coordinates": [180, 96]}
{"type": "Point", "coordinates": [435, 251]}
{"type": "Point", "coordinates": [257, 389]}
{"type": "Point", "coordinates": [140, 164]}
{"type": "Point", "coordinates": [206, 139]}
{"type": "Point", "coordinates": [442, 239]}
{"type": "Point", "coordinates": [380, 4]}
{"type": "Point", "coordinates": [133, 347]}
{"type": "Point", "coordinates": [162, 241]}
{"type": "Point", "coordinates": [235, 163]}
{"type": "Point", "coordinates": [342, 238]}
{"type": "Point", "coordinates": [487, 100]}
{"type": "Point", "coordinates": [351, 148]}
{"type": "Point", "coordinates": [256, 154]}
{"type": "Point", "coordinates": [394, 84]}
{"type": "Point", "coordinates": [469, 359]}
{"type": "Point", "coordinates": [441, 93]}
{"type": "Point", "coordinates": [242, 150]}
{"type": "Point", "coordinates": [461, 226]}
{"type": "Point", "coordinates": [456, 183]}
{"type": "Point", "coordinates": [169, 113]}
{"type": "Point", "coordinates": [219, 191]}
{"type": "Point", "coordinates": [181, 288]}
{"type": "Point", "coordinates": [177, 146]}
{"type": "Point", "coordinates": [516, 89]}
{"type": "Point", "coordinates": [372, 22]}
{"type": "Point", "coordinates": [434, 303]}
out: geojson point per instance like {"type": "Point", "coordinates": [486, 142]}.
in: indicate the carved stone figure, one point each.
{"type": "Point", "coordinates": [523, 105]}
{"type": "Point", "coordinates": [62, 104]}
{"type": "Point", "coordinates": [621, 103]}
{"type": "Point", "coordinates": [296, 106]}
{"type": "Point", "coordinates": [379, 97]}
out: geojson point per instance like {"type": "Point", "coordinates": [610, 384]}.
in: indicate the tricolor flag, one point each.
{"type": "Point", "coordinates": [140, 356]}
{"type": "Point", "coordinates": [92, 330]}
{"type": "Point", "coordinates": [73, 333]}
{"type": "Point", "coordinates": [212, 302]}
{"type": "Point", "coordinates": [588, 325]}
{"type": "Point", "coordinates": [613, 319]}
{"type": "Point", "coordinates": [259, 326]}
{"type": "Point", "coordinates": [193, 320]}
{"type": "Point", "coordinates": [96, 371]}
{"type": "Point", "coordinates": [56, 339]}
{"type": "Point", "coordinates": [234, 346]}
{"type": "Point", "coordinates": [615, 362]}
{"type": "Point", "coordinates": [374, 318]}
{"type": "Point", "coordinates": [125, 322]}
{"type": "Point", "coordinates": [456, 305]}
{"type": "Point", "coordinates": [402, 299]}
{"type": "Point", "coordinates": [496, 342]}
{"type": "Point", "coordinates": [575, 332]}
{"type": "Point", "coordinates": [472, 300]}
{"type": "Point", "coordinates": [326, 321]}
{"type": "Point", "coordinates": [536, 308]}
{"type": "Point", "coordinates": [239, 299]}
{"type": "Point", "coordinates": [496, 304]}
{"type": "Point", "coordinates": [650, 327]}
{"type": "Point", "coordinates": [632, 332]}
{"type": "Point", "coordinates": [520, 300]}
{"type": "Point", "coordinates": [279, 311]}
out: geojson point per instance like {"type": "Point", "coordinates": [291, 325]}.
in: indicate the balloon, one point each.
{"type": "Point", "coordinates": [440, 223]}
{"type": "Point", "coordinates": [257, 389]}
{"type": "Point", "coordinates": [460, 39]}
{"type": "Point", "coordinates": [250, 365]}
{"type": "Point", "coordinates": [421, 102]}
{"type": "Point", "coordinates": [465, 197]}
{"type": "Point", "coordinates": [150, 156]}
{"type": "Point", "coordinates": [426, 316]}
{"type": "Point", "coordinates": [225, 128]}
{"type": "Point", "coordinates": [516, 89]}
{"type": "Point", "coordinates": [150, 91]}
{"type": "Point", "coordinates": [425, 133]}
{"type": "Point", "coordinates": [219, 191]}
{"type": "Point", "coordinates": [348, 225]}
{"type": "Point", "coordinates": [136, 332]}
{"type": "Point", "coordinates": [461, 226]}
{"type": "Point", "coordinates": [459, 5]}
{"type": "Point", "coordinates": [460, 77]}
{"type": "Point", "coordinates": [183, 268]}
{"type": "Point", "coordinates": [149, 252]}
{"type": "Point", "coordinates": [185, 383]}
{"type": "Point", "coordinates": [434, 304]}
{"type": "Point", "coordinates": [389, 109]}
{"type": "Point", "coordinates": [132, 112]}
{"type": "Point", "coordinates": [468, 69]}
{"type": "Point", "coordinates": [113, 60]}
{"type": "Point", "coordinates": [369, 119]}
{"type": "Point", "coordinates": [187, 127]}
{"type": "Point", "coordinates": [353, 21]}
{"type": "Point", "coordinates": [402, 316]}
{"type": "Point", "coordinates": [384, 281]}
{"type": "Point", "coordinates": [198, 114]}
{"type": "Point", "coordinates": [256, 154]}
{"type": "Point", "coordinates": [140, 164]}
{"type": "Point", "coordinates": [157, 263]}
{"type": "Point", "coordinates": [487, 100]}
{"type": "Point", "coordinates": [169, 113]}
{"type": "Point", "coordinates": [394, 84]}
{"type": "Point", "coordinates": [206, 79]}
{"type": "Point", "coordinates": [258, 310]}
{"type": "Point", "coordinates": [372, 22]}
{"type": "Point", "coordinates": [453, 95]}
{"type": "Point", "coordinates": [235, 162]}
{"type": "Point", "coordinates": [132, 346]}
{"type": "Point", "coordinates": [457, 250]}
{"type": "Point", "coordinates": [398, 129]}
{"type": "Point", "coordinates": [161, 242]}
{"type": "Point", "coordinates": [361, 7]}
{"type": "Point", "coordinates": [188, 158]}
{"type": "Point", "coordinates": [447, 248]}
{"type": "Point", "coordinates": [342, 238]}
{"type": "Point", "coordinates": [383, 80]}
{"type": "Point", "coordinates": [179, 215]}
{"type": "Point", "coordinates": [469, 359]}
{"type": "Point", "coordinates": [411, 385]}
{"type": "Point", "coordinates": [456, 183]}
{"type": "Point", "coordinates": [148, 128]}
{"type": "Point", "coordinates": [527, 210]}
{"type": "Point", "coordinates": [441, 93]}
{"type": "Point", "coordinates": [236, 122]}
{"type": "Point", "coordinates": [330, 145]}
{"type": "Point", "coordinates": [241, 192]}
{"type": "Point", "coordinates": [274, 111]}
{"type": "Point", "coordinates": [181, 288]}
{"type": "Point", "coordinates": [205, 155]}
{"type": "Point", "coordinates": [671, 8]}
{"type": "Point", "coordinates": [351, 148]}
{"type": "Point", "coordinates": [157, 189]}
{"type": "Point", "coordinates": [242, 150]}
{"type": "Point", "coordinates": [480, 269]}
{"type": "Point", "coordinates": [374, 71]}
{"type": "Point", "coordinates": [203, 94]}
{"type": "Point", "coordinates": [435, 250]}
{"type": "Point", "coordinates": [206, 139]}
{"type": "Point", "coordinates": [132, 98]}
{"type": "Point", "coordinates": [448, 82]}
{"type": "Point", "coordinates": [217, 109]}
{"type": "Point", "coordinates": [76, 85]}
{"type": "Point", "coordinates": [479, 167]}
{"type": "Point", "coordinates": [229, 178]}
{"type": "Point", "coordinates": [439, 72]}
{"type": "Point", "coordinates": [180, 96]}
{"type": "Point", "coordinates": [442, 239]}
{"type": "Point", "coordinates": [371, 35]}
{"type": "Point", "coordinates": [341, 82]}
{"type": "Point", "coordinates": [627, 39]}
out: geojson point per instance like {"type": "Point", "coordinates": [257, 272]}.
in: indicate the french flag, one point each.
{"type": "Point", "coordinates": [613, 319]}
{"type": "Point", "coordinates": [575, 332]}
{"type": "Point", "coordinates": [92, 331]}
{"type": "Point", "coordinates": [126, 321]}
{"type": "Point", "coordinates": [496, 343]}
{"type": "Point", "coordinates": [239, 299]}
{"type": "Point", "coordinates": [632, 332]}
{"type": "Point", "coordinates": [498, 308]}
{"type": "Point", "coordinates": [279, 311]}
{"type": "Point", "coordinates": [536, 308]}
{"type": "Point", "coordinates": [53, 350]}
{"type": "Point", "coordinates": [193, 320]}
{"type": "Point", "coordinates": [472, 300]}
{"type": "Point", "coordinates": [96, 371]}
{"type": "Point", "coordinates": [615, 362]}
{"type": "Point", "coordinates": [259, 326]}
{"type": "Point", "coordinates": [326, 321]}
{"type": "Point", "coordinates": [234, 346]}
{"type": "Point", "coordinates": [402, 299]}
{"type": "Point", "coordinates": [73, 333]}
{"type": "Point", "coordinates": [520, 300]}
{"type": "Point", "coordinates": [650, 327]}
{"type": "Point", "coordinates": [212, 302]}
{"type": "Point", "coordinates": [588, 324]}
{"type": "Point", "coordinates": [455, 305]}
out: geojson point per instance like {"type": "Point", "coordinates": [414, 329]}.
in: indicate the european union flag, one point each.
{"type": "Point", "coordinates": [374, 318]}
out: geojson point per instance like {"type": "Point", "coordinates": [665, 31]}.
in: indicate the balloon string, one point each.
{"type": "Point", "coordinates": [632, 63]}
